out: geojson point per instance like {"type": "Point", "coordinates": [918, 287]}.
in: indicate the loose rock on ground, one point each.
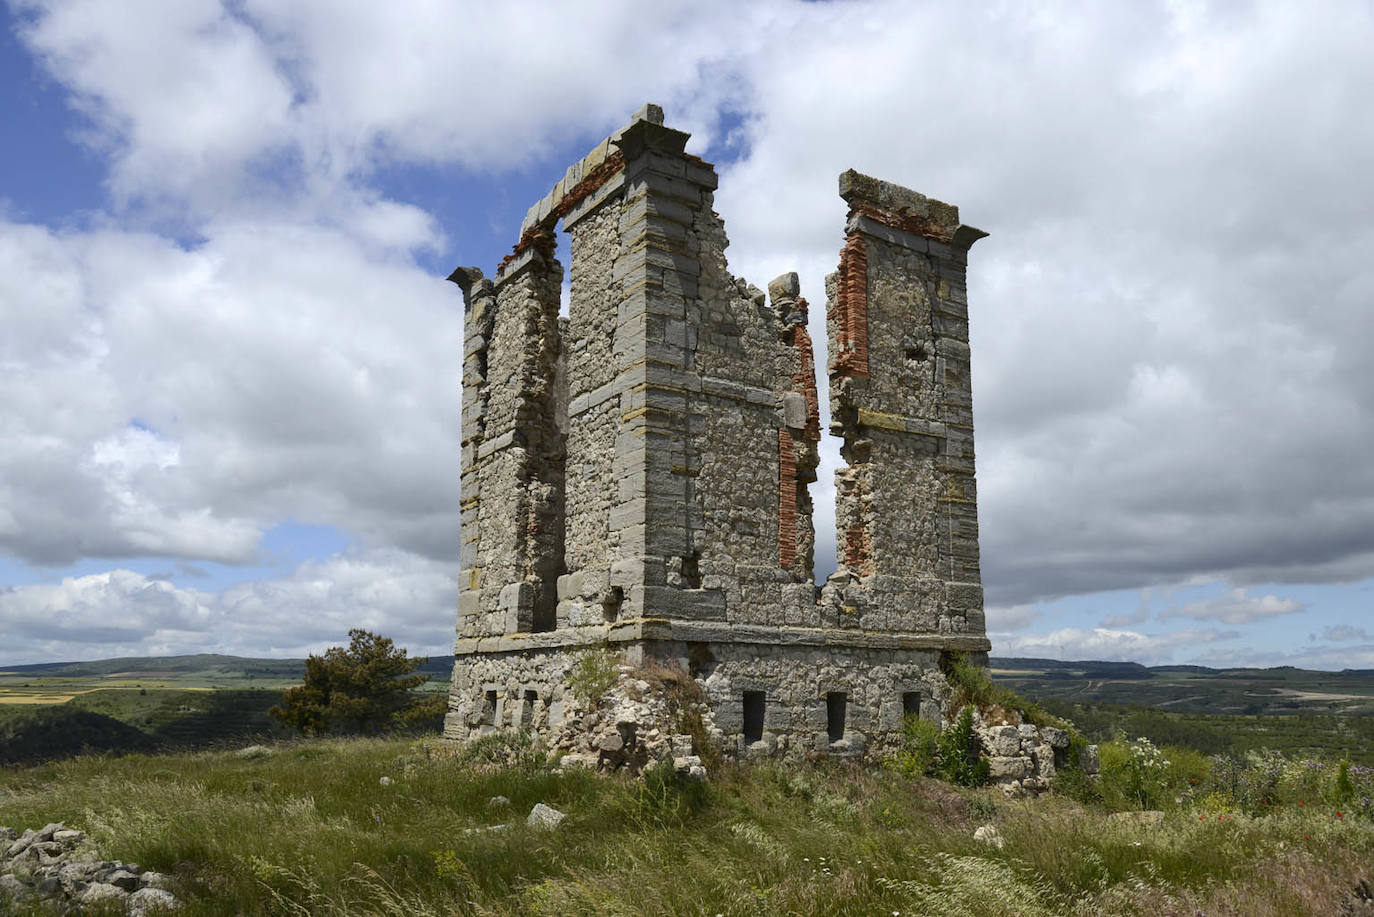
{"type": "Point", "coordinates": [58, 864]}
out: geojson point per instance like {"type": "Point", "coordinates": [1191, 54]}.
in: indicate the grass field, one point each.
{"type": "Point", "coordinates": [310, 828]}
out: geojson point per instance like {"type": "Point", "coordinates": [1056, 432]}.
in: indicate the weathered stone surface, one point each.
{"type": "Point", "coordinates": [102, 893]}
{"type": "Point", "coordinates": [544, 817]}
{"type": "Point", "coordinates": [636, 475]}
{"type": "Point", "coordinates": [1004, 741]}
{"type": "Point", "coordinates": [1000, 768]}
{"type": "Point", "coordinates": [988, 834]}
{"type": "Point", "coordinates": [151, 901]}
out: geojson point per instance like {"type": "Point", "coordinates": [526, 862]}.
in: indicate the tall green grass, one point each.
{"type": "Point", "coordinates": [310, 829]}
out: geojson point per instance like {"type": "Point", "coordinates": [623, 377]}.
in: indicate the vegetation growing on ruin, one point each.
{"type": "Point", "coordinates": [310, 827]}
{"type": "Point", "coordinates": [593, 675]}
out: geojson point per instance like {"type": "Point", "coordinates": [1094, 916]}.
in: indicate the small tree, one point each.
{"type": "Point", "coordinates": [368, 687]}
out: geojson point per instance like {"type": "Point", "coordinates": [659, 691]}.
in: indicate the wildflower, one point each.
{"type": "Point", "coordinates": [1339, 815]}
{"type": "Point", "coordinates": [1302, 803]}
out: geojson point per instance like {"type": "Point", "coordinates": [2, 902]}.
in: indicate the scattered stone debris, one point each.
{"type": "Point", "coordinates": [988, 834]}
{"type": "Point", "coordinates": [253, 752]}
{"type": "Point", "coordinates": [56, 863]}
{"type": "Point", "coordinates": [497, 802]}
{"type": "Point", "coordinates": [385, 781]}
{"type": "Point", "coordinates": [635, 724]}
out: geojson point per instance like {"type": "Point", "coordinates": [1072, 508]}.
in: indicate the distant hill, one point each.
{"type": "Point", "coordinates": [197, 664]}
{"type": "Point", "coordinates": [1282, 690]}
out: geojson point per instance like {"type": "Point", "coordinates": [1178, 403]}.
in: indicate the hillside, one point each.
{"type": "Point", "coordinates": [135, 704]}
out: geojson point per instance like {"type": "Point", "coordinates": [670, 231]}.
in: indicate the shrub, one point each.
{"type": "Point", "coordinates": [1344, 789]}
{"type": "Point", "coordinates": [593, 675]}
{"type": "Point", "coordinates": [1135, 775]}
{"type": "Point", "coordinates": [920, 744]}
{"type": "Point", "coordinates": [957, 758]}
{"type": "Point", "coordinates": [662, 796]}
{"type": "Point", "coordinates": [513, 748]}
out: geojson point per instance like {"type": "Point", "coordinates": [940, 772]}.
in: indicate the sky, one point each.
{"type": "Point", "coordinates": [229, 361]}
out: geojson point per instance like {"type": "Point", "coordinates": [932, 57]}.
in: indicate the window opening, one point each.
{"type": "Point", "coordinates": [835, 703]}
{"type": "Point", "coordinates": [753, 716]}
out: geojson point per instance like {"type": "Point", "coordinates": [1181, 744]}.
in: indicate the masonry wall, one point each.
{"type": "Point", "coordinates": [901, 400]}
{"type": "Point", "coordinates": [636, 476]}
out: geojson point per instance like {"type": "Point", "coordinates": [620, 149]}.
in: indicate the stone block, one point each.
{"type": "Point", "coordinates": [1008, 768]}
{"type": "Point", "coordinates": [1003, 741]}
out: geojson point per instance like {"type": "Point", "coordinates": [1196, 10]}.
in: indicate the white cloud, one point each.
{"type": "Point", "coordinates": [1007, 618]}
{"type": "Point", "coordinates": [202, 395]}
{"type": "Point", "coordinates": [1236, 607]}
{"type": "Point", "coordinates": [1170, 327]}
{"type": "Point", "coordinates": [121, 613]}
{"type": "Point", "coordinates": [1112, 645]}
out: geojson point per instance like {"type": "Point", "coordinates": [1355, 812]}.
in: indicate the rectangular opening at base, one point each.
{"type": "Point", "coordinates": [835, 705]}
{"type": "Point", "coordinates": [753, 716]}
{"type": "Point", "coordinates": [527, 708]}
{"type": "Point", "coordinates": [911, 703]}
{"type": "Point", "coordinates": [489, 709]}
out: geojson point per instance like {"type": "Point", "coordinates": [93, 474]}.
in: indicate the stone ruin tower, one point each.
{"type": "Point", "coordinates": [635, 475]}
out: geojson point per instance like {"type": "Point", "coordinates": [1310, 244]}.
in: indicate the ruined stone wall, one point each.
{"type": "Point", "coordinates": [636, 476]}
{"type": "Point", "coordinates": [901, 400]}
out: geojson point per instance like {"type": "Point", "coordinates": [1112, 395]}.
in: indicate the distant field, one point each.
{"type": "Point", "coordinates": [1193, 689]}
{"type": "Point", "coordinates": [56, 710]}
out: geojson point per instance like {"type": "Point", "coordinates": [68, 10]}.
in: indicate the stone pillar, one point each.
{"type": "Point", "coordinates": [901, 398]}
{"type": "Point", "coordinates": [651, 517]}
{"type": "Point", "coordinates": [512, 458]}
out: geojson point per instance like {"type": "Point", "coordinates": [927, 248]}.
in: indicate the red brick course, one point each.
{"type": "Point", "coordinates": [805, 377]}
{"type": "Point", "coordinates": [851, 309]}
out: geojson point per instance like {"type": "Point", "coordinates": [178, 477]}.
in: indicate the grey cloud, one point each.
{"type": "Point", "coordinates": [1006, 619]}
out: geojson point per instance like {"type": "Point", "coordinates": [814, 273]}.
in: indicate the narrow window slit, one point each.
{"type": "Point", "coordinates": [753, 716]}
{"type": "Point", "coordinates": [835, 703]}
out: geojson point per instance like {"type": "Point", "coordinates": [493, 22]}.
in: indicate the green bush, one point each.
{"type": "Point", "coordinates": [920, 744]}
{"type": "Point", "coordinates": [593, 675]}
{"type": "Point", "coordinates": [1344, 789]}
{"type": "Point", "coordinates": [957, 759]}
{"type": "Point", "coordinates": [369, 687]}
{"type": "Point", "coordinates": [662, 796]}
